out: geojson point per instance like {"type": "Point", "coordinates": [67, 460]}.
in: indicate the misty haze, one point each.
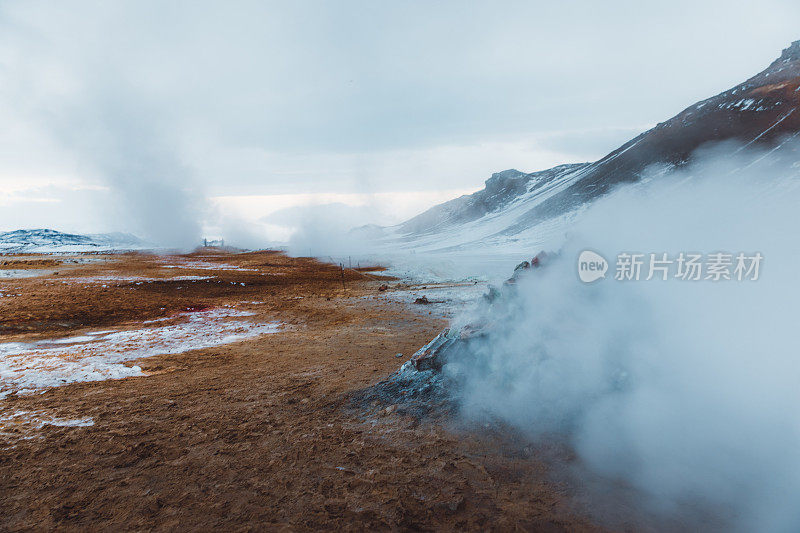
{"type": "Point", "coordinates": [316, 266]}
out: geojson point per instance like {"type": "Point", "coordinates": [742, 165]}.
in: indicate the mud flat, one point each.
{"type": "Point", "coordinates": [231, 406]}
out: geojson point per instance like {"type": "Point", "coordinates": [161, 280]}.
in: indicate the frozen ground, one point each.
{"type": "Point", "coordinates": [199, 264]}
{"type": "Point", "coordinates": [27, 367]}
{"type": "Point", "coordinates": [452, 281]}
{"type": "Point", "coordinates": [30, 421]}
{"type": "Point", "coordinates": [134, 279]}
{"type": "Point", "coordinates": [22, 273]}
{"type": "Point", "coordinates": [445, 299]}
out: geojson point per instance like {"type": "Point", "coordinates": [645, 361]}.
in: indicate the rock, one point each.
{"type": "Point", "coordinates": [422, 300]}
{"type": "Point", "coordinates": [492, 294]}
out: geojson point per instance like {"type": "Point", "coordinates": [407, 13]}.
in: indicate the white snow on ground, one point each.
{"type": "Point", "coordinates": [6, 248]}
{"type": "Point", "coordinates": [458, 266]}
{"type": "Point", "coordinates": [204, 265]}
{"type": "Point", "coordinates": [22, 273]}
{"type": "Point", "coordinates": [66, 249]}
{"type": "Point", "coordinates": [38, 419]}
{"type": "Point", "coordinates": [17, 423]}
{"type": "Point", "coordinates": [447, 300]}
{"type": "Point", "coordinates": [74, 423]}
{"type": "Point", "coordinates": [33, 366]}
{"type": "Point", "coordinates": [133, 279]}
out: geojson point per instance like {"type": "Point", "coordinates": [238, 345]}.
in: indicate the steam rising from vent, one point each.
{"type": "Point", "coordinates": [687, 390]}
{"type": "Point", "coordinates": [327, 229]}
{"type": "Point", "coordinates": [85, 78]}
{"type": "Point", "coordinates": [120, 139]}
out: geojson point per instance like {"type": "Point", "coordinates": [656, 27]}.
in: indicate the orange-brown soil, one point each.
{"type": "Point", "coordinates": [27, 262]}
{"type": "Point", "coordinates": [255, 435]}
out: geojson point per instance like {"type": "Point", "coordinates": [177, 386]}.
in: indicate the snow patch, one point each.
{"type": "Point", "coordinates": [27, 367]}
{"type": "Point", "coordinates": [206, 265]}
{"type": "Point", "coordinates": [22, 273]}
{"type": "Point", "coordinates": [134, 279]}
{"type": "Point", "coordinates": [21, 424]}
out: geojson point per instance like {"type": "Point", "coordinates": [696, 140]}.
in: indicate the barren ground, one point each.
{"type": "Point", "coordinates": [255, 435]}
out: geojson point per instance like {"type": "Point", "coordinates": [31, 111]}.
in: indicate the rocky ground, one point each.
{"type": "Point", "coordinates": [260, 434]}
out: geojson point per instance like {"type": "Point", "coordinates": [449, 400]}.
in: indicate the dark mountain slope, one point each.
{"type": "Point", "coordinates": [761, 111]}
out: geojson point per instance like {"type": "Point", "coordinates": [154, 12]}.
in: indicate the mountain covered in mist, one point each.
{"type": "Point", "coordinates": [48, 240]}
{"type": "Point", "coordinates": [759, 113]}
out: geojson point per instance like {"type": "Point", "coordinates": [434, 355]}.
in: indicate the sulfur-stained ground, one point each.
{"type": "Point", "coordinates": [253, 435]}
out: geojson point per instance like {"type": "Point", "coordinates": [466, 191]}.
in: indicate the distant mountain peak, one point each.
{"type": "Point", "coordinates": [792, 53]}
{"type": "Point", "coordinates": [50, 240]}
{"type": "Point", "coordinates": [502, 180]}
{"type": "Point", "coordinates": [760, 113]}
{"type": "Point", "coordinates": [510, 173]}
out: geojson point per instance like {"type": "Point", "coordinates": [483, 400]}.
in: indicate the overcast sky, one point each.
{"type": "Point", "coordinates": [115, 111]}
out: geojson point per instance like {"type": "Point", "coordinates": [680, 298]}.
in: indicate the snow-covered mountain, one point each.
{"type": "Point", "coordinates": [515, 207]}
{"type": "Point", "coordinates": [51, 241]}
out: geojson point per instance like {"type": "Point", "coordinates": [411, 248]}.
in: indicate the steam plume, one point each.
{"type": "Point", "coordinates": [684, 389]}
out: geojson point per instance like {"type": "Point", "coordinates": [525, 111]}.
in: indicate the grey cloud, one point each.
{"type": "Point", "coordinates": [147, 93]}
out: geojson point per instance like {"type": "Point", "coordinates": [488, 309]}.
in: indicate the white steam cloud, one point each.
{"type": "Point", "coordinates": [112, 123]}
{"type": "Point", "coordinates": [687, 390]}
{"type": "Point", "coordinates": [149, 186]}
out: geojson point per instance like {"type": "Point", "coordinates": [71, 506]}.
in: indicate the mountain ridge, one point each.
{"type": "Point", "coordinates": [50, 240]}
{"type": "Point", "coordinates": [761, 111]}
